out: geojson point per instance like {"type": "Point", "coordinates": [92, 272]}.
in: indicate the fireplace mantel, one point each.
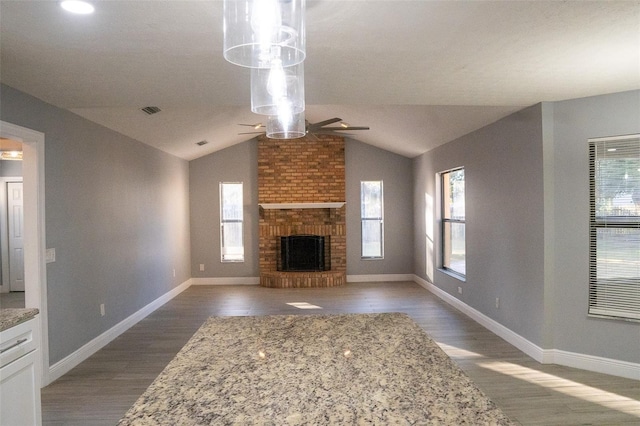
{"type": "Point", "coordinates": [289, 206]}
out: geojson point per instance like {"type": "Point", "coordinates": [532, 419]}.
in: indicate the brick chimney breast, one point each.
{"type": "Point", "coordinates": [305, 170]}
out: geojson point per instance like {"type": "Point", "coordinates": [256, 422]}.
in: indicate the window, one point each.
{"type": "Point", "coordinates": [614, 231]}
{"type": "Point", "coordinates": [371, 215]}
{"type": "Point", "coordinates": [231, 216]}
{"type": "Point", "coordinates": [453, 222]}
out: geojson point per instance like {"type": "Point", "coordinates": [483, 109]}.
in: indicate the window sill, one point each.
{"type": "Point", "coordinates": [453, 274]}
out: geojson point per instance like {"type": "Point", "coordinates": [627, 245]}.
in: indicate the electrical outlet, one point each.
{"type": "Point", "coordinates": [497, 302]}
{"type": "Point", "coordinates": [174, 272]}
{"type": "Point", "coordinates": [102, 309]}
{"type": "Point", "coordinates": [459, 290]}
{"type": "Point", "coordinates": [202, 266]}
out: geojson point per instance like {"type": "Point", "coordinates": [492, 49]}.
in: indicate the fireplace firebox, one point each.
{"type": "Point", "coordinates": [304, 253]}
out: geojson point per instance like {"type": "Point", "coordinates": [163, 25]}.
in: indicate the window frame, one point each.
{"type": "Point", "coordinates": [365, 219]}
{"type": "Point", "coordinates": [621, 301]}
{"type": "Point", "coordinates": [445, 220]}
{"type": "Point", "coordinates": [237, 257]}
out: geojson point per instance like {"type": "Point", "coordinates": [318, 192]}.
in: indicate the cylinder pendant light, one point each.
{"type": "Point", "coordinates": [257, 32]}
{"type": "Point", "coordinates": [286, 126]}
{"type": "Point", "coordinates": [273, 87]}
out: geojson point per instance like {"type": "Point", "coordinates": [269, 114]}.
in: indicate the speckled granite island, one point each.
{"type": "Point", "coordinates": [11, 317]}
{"type": "Point", "coordinates": [373, 369]}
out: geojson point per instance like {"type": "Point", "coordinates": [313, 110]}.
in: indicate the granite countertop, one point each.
{"type": "Point", "coordinates": [11, 317]}
{"type": "Point", "coordinates": [374, 369]}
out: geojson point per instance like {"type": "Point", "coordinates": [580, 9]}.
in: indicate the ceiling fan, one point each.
{"type": "Point", "coordinates": [318, 128]}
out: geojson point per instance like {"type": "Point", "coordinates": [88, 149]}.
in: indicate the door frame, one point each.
{"type": "Point", "coordinates": [34, 229]}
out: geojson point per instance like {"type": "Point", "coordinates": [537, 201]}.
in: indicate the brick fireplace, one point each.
{"type": "Point", "coordinates": [301, 190]}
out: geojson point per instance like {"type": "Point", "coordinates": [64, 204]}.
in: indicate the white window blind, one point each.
{"type": "Point", "coordinates": [614, 240]}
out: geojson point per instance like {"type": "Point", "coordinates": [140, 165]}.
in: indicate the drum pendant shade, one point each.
{"type": "Point", "coordinates": [273, 87]}
{"type": "Point", "coordinates": [283, 126]}
{"type": "Point", "coordinates": [256, 32]}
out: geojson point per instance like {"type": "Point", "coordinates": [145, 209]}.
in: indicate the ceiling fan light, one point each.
{"type": "Point", "coordinates": [77, 6]}
{"type": "Point", "coordinates": [257, 31]}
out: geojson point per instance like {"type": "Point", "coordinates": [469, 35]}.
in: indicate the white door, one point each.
{"type": "Point", "coordinates": [16, 237]}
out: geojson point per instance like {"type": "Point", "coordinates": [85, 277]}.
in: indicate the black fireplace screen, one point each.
{"type": "Point", "coordinates": [304, 253]}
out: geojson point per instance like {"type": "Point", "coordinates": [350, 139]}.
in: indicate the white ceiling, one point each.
{"type": "Point", "coordinates": [419, 73]}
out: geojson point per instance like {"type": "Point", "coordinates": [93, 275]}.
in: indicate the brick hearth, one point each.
{"type": "Point", "coordinates": [301, 171]}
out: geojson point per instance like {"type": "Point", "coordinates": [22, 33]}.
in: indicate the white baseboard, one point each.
{"type": "Point", "coordinates": [379, 278]}
{"type": "Point", "coordinates": [226, 281]}
{"type": "Point", "coordinates": [70, 361]}
{"type": "Point", "coordinates": [545, 356]}
{"type": "Point", "coordinates": [596, 364]}
{"type": "Point", "coordinates": [495, 327]}
{"type": "Point", "coordinates": [256, 280]}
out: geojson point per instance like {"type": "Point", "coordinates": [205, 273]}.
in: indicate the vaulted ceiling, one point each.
{"type": "Point", "coordinates": [419, 73]}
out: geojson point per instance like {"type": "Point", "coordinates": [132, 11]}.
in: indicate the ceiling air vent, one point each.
{"type": "Point", "coordinates": [151, 110]}
{"type": "Point", "coordinates": [202, 143]}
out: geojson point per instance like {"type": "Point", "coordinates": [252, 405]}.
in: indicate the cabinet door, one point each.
{"type": "Point", "coordinates": [20, 392]}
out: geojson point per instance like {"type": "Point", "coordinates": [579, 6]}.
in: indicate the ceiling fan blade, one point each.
{"type": "Point", "coordinates": [255, 126]}
{"type": "Point", "coordinates": [324, 123]}
{"type": "Point", "coordinates": [346, 128]}
{"type": "Point", "coordinates": [329, 133]}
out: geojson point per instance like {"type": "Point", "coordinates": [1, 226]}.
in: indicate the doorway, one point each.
{"type": "Point", "coordinates": [34, 228]}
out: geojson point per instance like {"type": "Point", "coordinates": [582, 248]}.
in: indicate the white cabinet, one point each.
{"type": "Point", "coordinates": [20, 375]}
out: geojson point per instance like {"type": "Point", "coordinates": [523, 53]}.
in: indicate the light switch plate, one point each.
{"type": "Point", "coordinates": [50, 255]}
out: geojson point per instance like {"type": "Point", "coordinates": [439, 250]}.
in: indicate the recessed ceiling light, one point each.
{"type": "Point", "coordinates": [77, 6]}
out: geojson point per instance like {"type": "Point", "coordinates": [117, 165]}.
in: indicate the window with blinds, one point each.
{"type": "Point", "coordinates": [231, 222]}
{"type": "Point", "coordinates": [614, 238]}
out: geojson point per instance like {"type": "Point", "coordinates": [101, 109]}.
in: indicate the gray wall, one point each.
{"type": "Point", "coordinates": [527, 179]}
{"type": "Point", "coordinates": [238, 163]}
{"type": "Point", "coordinates": [504, 219]}
{"type": "Point", "coordinates": [365, 162]}
{"type": "Point", "coordinates": [574, 122]}
{"type": "Point", "coordinates": [117, 213]}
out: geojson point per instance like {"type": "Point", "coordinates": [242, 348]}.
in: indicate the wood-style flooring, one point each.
{"type": "Point", "coordinates": [14, 299]}
{"type": "Point", "coordinates": [100, 390]}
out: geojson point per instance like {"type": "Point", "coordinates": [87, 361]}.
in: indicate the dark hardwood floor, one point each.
{"type": "Point", "coordinates": [100, 390]}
